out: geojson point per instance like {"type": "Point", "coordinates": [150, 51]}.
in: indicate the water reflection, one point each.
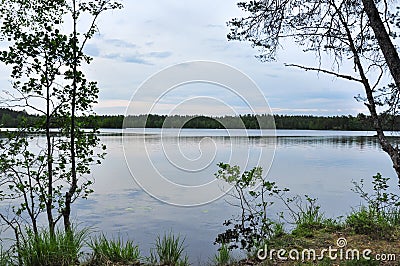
{"type": "Point", "coordinates": [318, 165]}
{"type": "Point", "coordinates": [360, 142]}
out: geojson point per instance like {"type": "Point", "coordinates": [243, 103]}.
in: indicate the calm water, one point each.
{"type": "Point", "coordinates": [321, 164]}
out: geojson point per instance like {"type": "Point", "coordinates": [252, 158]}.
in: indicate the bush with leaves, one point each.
{"type": "Point", "coordinates": [252, 194]}
{"type": "Point", "coordinates": [381, 213]}
{"type": "Point", "coordinates": [43, 171]}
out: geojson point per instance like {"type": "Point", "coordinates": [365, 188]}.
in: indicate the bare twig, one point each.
{"type": "Point", "coordinates": [326, 72]}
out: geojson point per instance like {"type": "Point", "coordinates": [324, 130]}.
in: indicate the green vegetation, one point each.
{"type": "Point", "coordinates": [380, 216]}
{"type": "Point", "coordinates": [374, 225]}
{"type": "Point", "coordinates": [44, 51]}
{"type": "Point", "coordinates": [60, 249]}
{"type": "Point", "coordinates": [5, 258]}
{"type": "Point", "coordinates": [12, 119]}
{"type": "Point", "coordinates": [169, 250]}
{"type": "Point", "coordinates": [309, 218]}
{"type": "Point", "coordinates": [306, 122]}
{"type": "Point", "coordinates": [368, 222]}
{"type": "Point", "coordinates": [254, 195]}
{"type": "Point", "coordinates": [113, 251]}
{"type": "Point", "coordinates": [223, 257]}
{"type": "Point", "coordinates": [65, 249]}
{"type": "Point", "coordinates": [362, 37]}
{"type": "Point", "coordinates": [46, 58]}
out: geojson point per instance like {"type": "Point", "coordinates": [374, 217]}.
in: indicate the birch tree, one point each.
{"type": "Point", "coordinates": [44, 168]}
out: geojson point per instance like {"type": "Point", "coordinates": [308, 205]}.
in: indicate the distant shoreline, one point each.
{"type": "Point", "coordinates": [13, 119]}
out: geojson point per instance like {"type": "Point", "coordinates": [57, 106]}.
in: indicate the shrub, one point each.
{"type": "Point", "coordinates": [380, 215]}
{"type": "Point", "coordinates": [367, 221]}
{"type": "Point", "coordinates": [308, 217]}
{"type": "Point", "coordinates": [254, 196]}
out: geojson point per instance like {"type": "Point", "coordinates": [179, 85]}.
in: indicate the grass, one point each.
{"type": "Point", "coordinates": [63, 249]}
{"type": "Point", "coordinates": [5, 258]}
{"type": "Point", "coordinates": [375, 226]}
{"type": "Point", "coordinates": [223, 257]}
{"type": "Point", "coordinates": [322, 239]}
{"type": "Point", "coordinates": [364, 228]}
{"type": "Point", "coordinates": [169, 250]}
{"type": "Point", "coordinates": [114, 251]}
{"type": "Point", "coordinates": [366, 220]}
{"type": "Point", "coordinates": [310, 219]}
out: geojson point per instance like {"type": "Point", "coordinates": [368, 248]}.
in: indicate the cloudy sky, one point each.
{"type": "Point", "coordinates": [147, 36]}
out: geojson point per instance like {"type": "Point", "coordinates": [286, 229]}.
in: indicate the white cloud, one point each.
{"type": "Point", "coordinates": [147, 36]}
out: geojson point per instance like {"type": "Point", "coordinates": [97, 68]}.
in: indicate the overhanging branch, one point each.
{"type": "Point", "coordinates": [348, 77]}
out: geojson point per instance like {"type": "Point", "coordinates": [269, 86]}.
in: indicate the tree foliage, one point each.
{"type": "Point", "coordinates": [253, 196]}
{"type": "Point", "coordinates": [46, 175]}
{"type": "Point", "coordinates": [12, 119]}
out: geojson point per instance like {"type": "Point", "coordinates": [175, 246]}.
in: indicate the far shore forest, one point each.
{"type": "Point", "coordinates": [45, 48]}
{"type": "Point", "coordinates": [13, 119]}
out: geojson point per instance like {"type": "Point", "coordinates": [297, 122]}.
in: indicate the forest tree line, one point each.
{"type": "Point", "coordinates": [12, 119]}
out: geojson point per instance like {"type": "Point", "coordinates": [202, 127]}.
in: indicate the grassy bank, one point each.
{"type": "Point", "coordinates": [65, 249]}
{"type": "Point", "coordinates": [169, 249]}
{"type": "Point", "coordinates": [309, 244]}
{"type": "Point", "coordinates": [368, 235]}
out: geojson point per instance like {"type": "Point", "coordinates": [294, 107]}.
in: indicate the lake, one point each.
{"type": "Point", "coordinates": [321, 164]}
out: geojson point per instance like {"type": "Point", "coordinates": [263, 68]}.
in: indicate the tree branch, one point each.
{"type": "Point", "coordinates": [348, 77]}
